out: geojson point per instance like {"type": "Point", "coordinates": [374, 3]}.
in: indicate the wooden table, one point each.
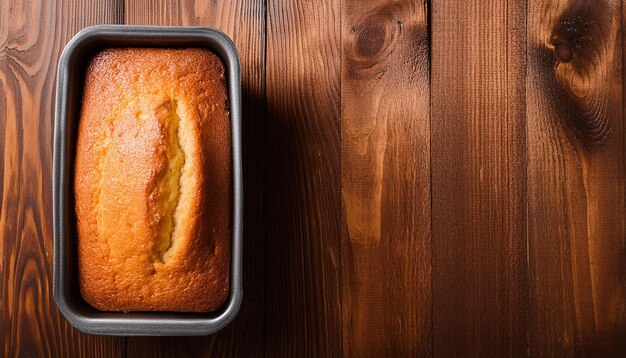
{"type": "Point", "coordinates": [422, 178]}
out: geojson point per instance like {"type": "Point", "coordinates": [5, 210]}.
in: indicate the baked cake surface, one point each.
{"type": "Point", "coordinates": [152, 181]}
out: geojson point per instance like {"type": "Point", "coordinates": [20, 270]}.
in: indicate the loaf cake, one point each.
{"type": "Point", "coordinates": [152, 181]}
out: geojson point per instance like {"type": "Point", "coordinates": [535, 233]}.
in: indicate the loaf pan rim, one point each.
{"type": "Point", "coordinates": [140, 323]}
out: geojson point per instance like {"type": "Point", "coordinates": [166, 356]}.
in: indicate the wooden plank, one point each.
{"type": "Point", "coordinates": [385, 171]}
{"type": "Point", "coordinates": [303, 197]}
{"type": "Point", "coordinates": [244, 22]}
{"type": "Point", "coordinates": [33, 34]}
{"type": "Point", "coordinates": [478, 156]}
{"type": "Point", "coordinates": [576, 179]}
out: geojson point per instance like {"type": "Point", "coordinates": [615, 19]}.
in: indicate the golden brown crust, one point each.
{"type": "Point", "coordinates": [153, 181]}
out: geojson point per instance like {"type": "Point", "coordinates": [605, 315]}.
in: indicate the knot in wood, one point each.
{"type": "Point", "coordinates": [576, 38]}
{"type": "Point", "coordinates": [563, 52]}
{"type": "Point", "coordinates": [371, 39]}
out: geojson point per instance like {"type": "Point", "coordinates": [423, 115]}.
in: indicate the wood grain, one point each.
{"type": "Point", "coordinates": [420, 177]}
{"type": "Point", "coordinates": [31, 42]}
{"type": "Point", "coordinates": [244, 22]}
{"type": "Point", "coordinates": [302, 314]}
{"type": "Point", "coordinates": [386, 281]}
{"type": "Point", "coordinates": [478, 155]}
{"type": "Point", "coordinates": [576, 179]}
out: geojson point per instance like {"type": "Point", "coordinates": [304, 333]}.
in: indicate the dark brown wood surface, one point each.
{"type": "Point", "coordinates": [576, 252]}
{"type": "Point", "coordinates": [385, 250]}
{"type": "Point", "coordinates": [478, 156]}
{"type": "Point", "coordinates": [422, 177]}
{"type": "Point", "coordinates": [303, 215]}
{"type": "Point", "coordinates": [32, 36]}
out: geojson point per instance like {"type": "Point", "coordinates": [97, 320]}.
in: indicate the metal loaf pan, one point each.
{"type": "Point", "coordinates": [70, 79]}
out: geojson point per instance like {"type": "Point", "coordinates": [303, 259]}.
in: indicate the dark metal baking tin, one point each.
{"type": "Point", "coordinates": [70, 79]}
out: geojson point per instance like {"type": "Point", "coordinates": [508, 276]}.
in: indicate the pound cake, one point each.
{"type": "Point", "coordinates": [152, 181]}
